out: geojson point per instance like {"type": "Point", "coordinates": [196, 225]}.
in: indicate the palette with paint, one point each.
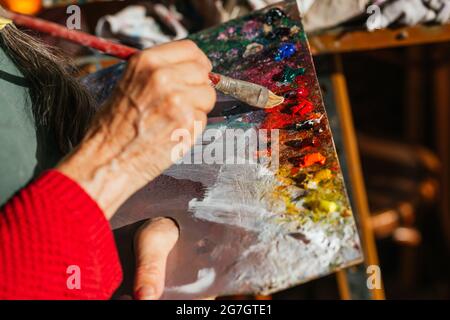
{"type": "Point", "coordinates": [252, 227]}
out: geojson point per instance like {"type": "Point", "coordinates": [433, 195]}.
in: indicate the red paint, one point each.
{"type": "Point", "coordinates": [315, 142]}
{"type": "Point", "coordinates": [274, 110]}
{"type": "Point", "coordinates": [313, 158]}
{"type": "Point", "coordinates": [277, 120]}
{"type": "Point", "coordinates": [302, 81]}
{"type": "Point", "coordinates": [303, 92]}
{"type": "Point", "coordinates": [214, 77]}
{"type": "Point", "coordinates": [303, 108]}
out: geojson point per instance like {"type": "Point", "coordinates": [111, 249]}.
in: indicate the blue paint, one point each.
{"type": "Point", "coordinates": [285, 51]}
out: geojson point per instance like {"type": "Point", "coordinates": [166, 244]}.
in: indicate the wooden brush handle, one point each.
{"type": "Point", "coordinates": [108, 47]}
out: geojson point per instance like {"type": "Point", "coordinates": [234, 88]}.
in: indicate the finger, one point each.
{"type": "Point", "coordinates": [166, 80]}
{"type": "Point", "coordinates": [201, 97]}
{"type": "Point", "coordinates": [201, 117]}
{"type": "Point", "coordinates": [187, 73]}
{"type": "Point", "coordinates": [173, 53]}
{"type": "Point", "coordinates": [199, 126]}
{"type": "Point", "coordinates": [163, 56]}
{"type": "Point", "coordinates": [153, 244]}
{"type": "Point", "coordinates": [182, 106]}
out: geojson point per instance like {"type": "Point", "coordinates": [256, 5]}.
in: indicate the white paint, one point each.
{"type": "Point", "coordinates": [205, 278]}
{"type": "Point", "coordinates": [242, 196]}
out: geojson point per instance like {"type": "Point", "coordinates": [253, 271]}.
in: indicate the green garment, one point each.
{"type": "Point", "coordinates": [24, 151]}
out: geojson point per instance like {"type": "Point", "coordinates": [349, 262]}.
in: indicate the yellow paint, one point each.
{"type": "Point", "coordinates": [323, 175]}
{"type": "Point", "coordinates": [327, 206]}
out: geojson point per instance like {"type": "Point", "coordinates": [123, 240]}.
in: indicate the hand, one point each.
{"type": "Point", "coordinates": [153, 243]}
{"type": "Point", "coordinates": [163, 89]}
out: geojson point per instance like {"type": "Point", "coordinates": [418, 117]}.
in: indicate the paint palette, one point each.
{"type": "Point", "coordinates": [269, 212]}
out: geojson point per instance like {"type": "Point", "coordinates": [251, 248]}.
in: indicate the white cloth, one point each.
{"type": "Point", "coordinates": [320, 14]}
{"type": "Point", "coordinates": [133, 22]}
{"type": "Point", "coordinates": [412, 12]}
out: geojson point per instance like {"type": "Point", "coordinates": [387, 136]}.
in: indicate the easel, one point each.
{"type": "Point", "coordinates": [351, 282]}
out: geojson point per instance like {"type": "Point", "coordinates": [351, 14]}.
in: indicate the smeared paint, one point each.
{"type": "Point", "coordinates": [243, 197]}
{"type": "Point", "coordinates": [205, 278]}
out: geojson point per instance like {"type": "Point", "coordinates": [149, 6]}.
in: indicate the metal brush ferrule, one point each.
{"type": "Point", "coordinates": [250, 93]}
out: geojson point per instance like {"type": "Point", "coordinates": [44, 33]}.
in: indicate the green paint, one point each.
{"type": "Point", "coordinates": [289, 74]}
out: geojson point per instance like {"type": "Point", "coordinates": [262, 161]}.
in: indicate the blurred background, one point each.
{"type": "Point", "coordinates": [398, 87]}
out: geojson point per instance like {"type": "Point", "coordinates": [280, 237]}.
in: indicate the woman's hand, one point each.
{"type": "Point", "coordinates": [164, 89]}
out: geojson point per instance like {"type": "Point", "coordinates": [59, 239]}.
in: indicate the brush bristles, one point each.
{"type": "Point", "coordinates": [273, 100]}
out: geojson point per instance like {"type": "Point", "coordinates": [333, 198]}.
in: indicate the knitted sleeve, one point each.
{"type": "Point", "coordinates": [55, 243]}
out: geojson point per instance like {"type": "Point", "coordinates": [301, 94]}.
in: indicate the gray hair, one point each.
{"type": "Point", "coordinates": [62, 106]}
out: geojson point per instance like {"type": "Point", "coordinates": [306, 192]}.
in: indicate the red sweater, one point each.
{"type": "Point", "coordinates": [49, 230]}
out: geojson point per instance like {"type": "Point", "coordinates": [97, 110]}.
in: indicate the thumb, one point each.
{"type": "Point", "coordinates": [153, 243]}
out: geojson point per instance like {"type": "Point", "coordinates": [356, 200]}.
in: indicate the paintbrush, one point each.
{"type": "Point", "coordinates": [253, 94]}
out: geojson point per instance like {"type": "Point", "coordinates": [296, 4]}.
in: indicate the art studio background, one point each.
{"type": "Point", "coordinates": [397, 84]}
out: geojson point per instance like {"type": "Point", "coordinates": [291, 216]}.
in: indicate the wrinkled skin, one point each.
{"type": "Point", "coordinates": [164, 89]}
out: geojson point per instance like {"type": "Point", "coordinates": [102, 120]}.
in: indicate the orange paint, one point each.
{"type": "Point", "coordinates": [313, 158]}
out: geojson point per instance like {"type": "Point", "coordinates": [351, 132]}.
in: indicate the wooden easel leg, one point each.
{"type": "Point", "coordinates": [343, 286]}
{"type": "Point", "coordinates": [355, 174]}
